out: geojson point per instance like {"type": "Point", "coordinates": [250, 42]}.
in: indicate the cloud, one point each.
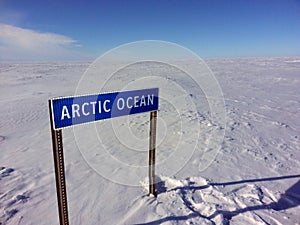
{"type": "Point", "coordinates": [19, 44]}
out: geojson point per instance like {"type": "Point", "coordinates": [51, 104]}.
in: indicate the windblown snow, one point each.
{"type": "Point", "coordinates": [254, 178]}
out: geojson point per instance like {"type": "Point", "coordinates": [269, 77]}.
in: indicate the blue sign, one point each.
{"type": "Point", "coordinates": [69, 111]}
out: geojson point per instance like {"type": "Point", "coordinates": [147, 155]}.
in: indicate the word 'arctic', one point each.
{"type": "Point", "coordinates": [69, 111]}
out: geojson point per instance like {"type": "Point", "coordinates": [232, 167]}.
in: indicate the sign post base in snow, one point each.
{"type": "Point", "coordinates": [69, 111]}
{"type": "Point", "coordinates": [152, 143]}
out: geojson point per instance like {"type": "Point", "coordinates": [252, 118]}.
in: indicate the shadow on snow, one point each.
{"type": "Point", "coordinates": [290, 199]}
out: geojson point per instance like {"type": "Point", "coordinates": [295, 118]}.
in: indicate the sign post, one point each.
{"type": "Point", "coordinates": [70, 111]}
{"type": "Point", "coordinates": [59, 167]}
{"type": "Point", "coordinates": [152, 143]}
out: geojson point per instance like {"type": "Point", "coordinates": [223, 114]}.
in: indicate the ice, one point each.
{"type": "Point", "coordinates": [254, 178]}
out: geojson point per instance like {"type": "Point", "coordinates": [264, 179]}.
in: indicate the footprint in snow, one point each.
{"type": "Point", "coordinates": [6, 172]}
{"type": "Point", "coordinates": [2, 138]}
{"type": "Point", "coordinates": [17, 199]}
{"type": "Point", "coordinates": [22, 198]}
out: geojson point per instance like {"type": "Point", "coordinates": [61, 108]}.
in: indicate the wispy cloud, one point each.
{"type": "Point", "coordinates": [19, 44]}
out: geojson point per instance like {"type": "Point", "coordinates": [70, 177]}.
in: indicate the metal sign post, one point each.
{"type": "Point", "coordinates": [152, 143]}
{"type": "Point", "coordinates": [58, 157]}
{"type": "Point", "coordinates": [74, 110]}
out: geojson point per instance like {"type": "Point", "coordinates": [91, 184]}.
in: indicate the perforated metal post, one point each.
{"type": "Point", "coordinates": [152, 143]}
{"type": "Point", "coordinates": [58, 157]}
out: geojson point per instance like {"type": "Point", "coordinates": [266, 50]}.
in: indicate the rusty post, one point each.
{"type": "Point", "coordinates": [152, 143]}
{"type": "Point", "coordinates": [58, 157]}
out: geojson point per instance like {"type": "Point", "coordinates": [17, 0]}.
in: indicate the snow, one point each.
{"type": "Point", "coordinates": [253, 179]}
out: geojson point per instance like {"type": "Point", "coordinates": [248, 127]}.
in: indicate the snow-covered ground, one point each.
{"type": "Point", "coordinates": [254, 179]}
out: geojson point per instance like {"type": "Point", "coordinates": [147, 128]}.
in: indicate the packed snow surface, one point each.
{"type": "Point", "coordinates": [253, 179]}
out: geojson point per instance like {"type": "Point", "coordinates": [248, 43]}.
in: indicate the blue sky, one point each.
{"type": "Point", "coordinates": [71, 30]}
